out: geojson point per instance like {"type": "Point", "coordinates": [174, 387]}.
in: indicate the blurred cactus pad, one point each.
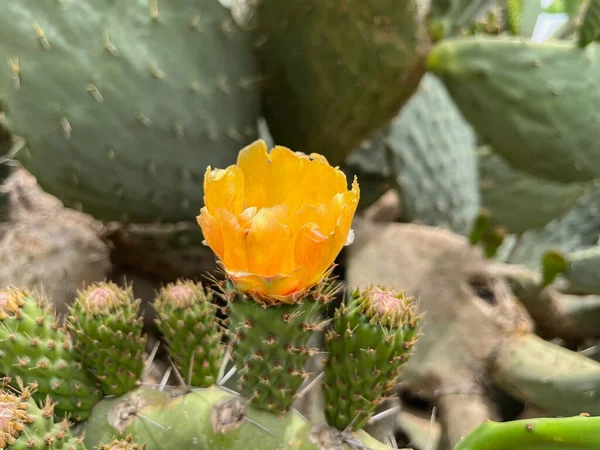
{"type": "Point", "coordinates": [119, 106]}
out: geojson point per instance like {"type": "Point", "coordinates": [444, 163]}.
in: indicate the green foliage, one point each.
{"type": "Point", "coordinates": [122, 105]}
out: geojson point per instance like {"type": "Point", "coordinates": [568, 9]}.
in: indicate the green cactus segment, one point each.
{"type": "Point", "coordinates": [35, 349]}
{"type": "Point", "coordinates": [553, 264]}
{"type": "Point", "coordinates": [187, 320]}
{"type": "Point", "coordinates": [161, 419]}
{"type": "Point", "coordinates": [518, 201]}
{"type": "Point", "coordinates": [544, 374]}
{"type": "Point", "coordinates": [576, 230]}
{"type": "Point", "coordinates": [433, 160]}
{"type": "Point", "coordinates": [583, 271]}
{"type": "Point", "coordinates": [529, 101]}
{"type": "Point", "coordinates": [25, 426]}
{"type": "Point", "coordinates": [124, 104]}
{"type": "Point", "coordinates": [565, 433]}
{"type": "Point", "coordinates": [480, 227]}
{"type": "Point", "coordinates": [105, 321]}
{"type": "Point", "coordinates": [368, 344]}
{"type": "Point", "coordinates": [326, 64]}
{"type": "Point", "coordinates": [590, 28]}
{"type": "Point", "coordinates": [270, 348]}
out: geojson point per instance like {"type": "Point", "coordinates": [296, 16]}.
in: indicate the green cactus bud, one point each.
{"type": "Point", "coordinates": [25, 425]}
{"type": "Point", "coordinates": [270, 347]}
{"type": "Point", "coordinates": [36, 349]}
{"type": "Point", "coordinates": [104, 320]}
{"type": "Point", "coordinates": [368, 344]}
{"type": "Point", "coordinates": [187, 319]}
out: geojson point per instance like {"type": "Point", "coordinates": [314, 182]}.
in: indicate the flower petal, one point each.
{"type": "Point", "coordinates": [322, 182]}
{"type": "Point", "coordinates": [253, 161]}
{"type": "Point", "coordinates": [235, 253]}
{"type": "Point", "coordinates": [288, 170]}
{"type": "Point", "coordinates": [211, 231]}
{"type": "Point", "coordinates": [313, 252]}
{"type": "Point", "coordinates": [269, 243]}
{"type": "Point", "coordinates": [224, 189]}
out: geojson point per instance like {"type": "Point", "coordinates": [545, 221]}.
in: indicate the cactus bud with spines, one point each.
{"type": "Point", "coordinates": [37, 350]}
{"type": "Point", "coordinates": [105, 321]}
{"type": "Point", "coordinates": [25, 425]}
{"type": "Point", "coordinates": [369, 342]}
{"type": "Point", "coordinates": [187, 319]}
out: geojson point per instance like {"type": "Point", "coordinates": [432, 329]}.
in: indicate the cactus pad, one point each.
{"type": "Point", "coordinates": [433, 160]}
{"type": "Point", "coordinates": [535, 103]}
{"type": "Point", "coordinates": [187, 319]}
{"type": "Point", "coordinates": [270, 348]}
{"type": "Point", "coordinates": [511, 195]}
{"type": "Point", "coordinates": [104, 320]}
{"type": "Point", "coordinates": [369, 342]}
{"type": "Point", "coordinates": [123, 104]}
{"type": "Point", "coordinates": [35, 349]}
{"type": "Point", "coordinates": [336, 72]}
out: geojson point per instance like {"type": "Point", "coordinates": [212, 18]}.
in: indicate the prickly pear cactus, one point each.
{"type": "Point", "coordinates": [221, 421]}
{"type": "Point", "coordinates": [518, 201]}
{"type": "Point", "coordinates": [123, 104]}
{"type": "Point", "coordinates": [36, 350]}
{"type": "Point", "coordinates": [26, 425]}
{"type": "Point", "coordinates": [369, 342]}
{"type": "Point", "coordinates": [187, 320]}
{"type": "Point", "coordinates": [565, 433]}
{"type": "Point", "coordinates": [105, 321]}
{"type": "Point", "coordinates": [335, 72]}
{"type": "Point", "coordinates": [270, 348]}
{"type": "Point", "coordinates": [433, 160]}
{"type": "Point", "coordinates": [532, 102]}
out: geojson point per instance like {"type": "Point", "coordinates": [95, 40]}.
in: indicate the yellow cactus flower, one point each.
{"type": "Point", "coordinates": [277, 220]}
